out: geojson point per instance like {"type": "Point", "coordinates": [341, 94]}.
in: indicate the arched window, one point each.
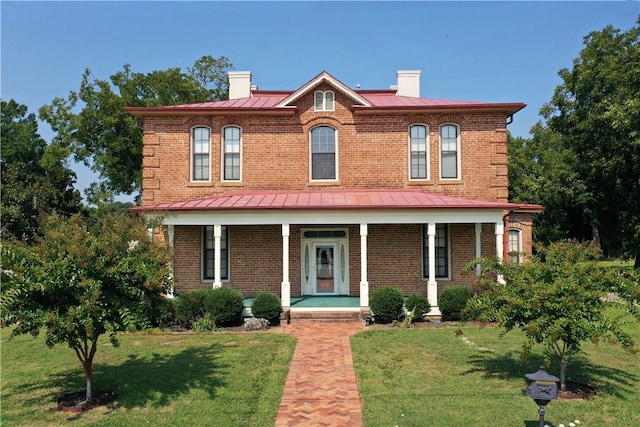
{"type": "Point", "coordinates": [418, 151]}
{"type": "Point", "coordinates": [232, 136]}
{"type": "Point", "coordinates": [324, 100]}
{"type": "Point", "coordinates": [449, 152]}
{"type": "Point", "coordinates": [200, 159]}
{"type": "Point", "coordinates": [323, 153]}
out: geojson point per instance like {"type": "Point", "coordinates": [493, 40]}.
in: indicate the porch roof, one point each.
{"type": "Point", "coordinates": [332, 200]}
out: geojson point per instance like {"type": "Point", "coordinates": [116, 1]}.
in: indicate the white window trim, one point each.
{"type": "Point", "coordinates": [222, 153]}
{"type": "Point", "coordinates": [519, 232]}
{"type": "Point", "coordinates": [192, 154]}
{"type": "Point", "coordinates": [427, 142]}
{"type": "Point", "coordinates": [202, 260]}
{"type": "Point", "coordinates": [425, 273]}
{"type": "Point", "coordinates": [336, 160]}
{"type": "Point", "coordinates": [458, 153]}
{"type": "Point", "coordinates": [324, 101]}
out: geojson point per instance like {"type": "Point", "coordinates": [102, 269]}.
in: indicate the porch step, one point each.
{"type": "Point", "coordinates": [325, 316]}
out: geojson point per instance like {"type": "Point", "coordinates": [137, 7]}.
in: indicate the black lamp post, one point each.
{"type": "Point", "coordinates": [542, 388]}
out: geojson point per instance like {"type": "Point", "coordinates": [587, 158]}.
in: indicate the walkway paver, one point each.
{"type": "Point", "coordinates": [321, 388]}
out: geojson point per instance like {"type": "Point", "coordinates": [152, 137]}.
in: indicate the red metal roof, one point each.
{"type": "Point", "coordinates": [331, 199]}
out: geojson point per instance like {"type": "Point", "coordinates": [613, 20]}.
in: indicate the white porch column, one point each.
{"type": "Point", "coordinates": [285, 289]}
{"type": "Point", "coordinates": [170, 235]}
{"type": "Point", "coordinates": [500, 246]}
{"type": "Point", "coordinates": [364, 284]}
{"type": "Point", "coordinates": [432, 285]}
{"type": "Point", "coordinates": [478, 245]}
{"type": "Point", "coordinates": [217, 234]}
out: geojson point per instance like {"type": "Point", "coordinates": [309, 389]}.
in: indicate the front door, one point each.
{"type": "Point", "coordinates": [325, 269]}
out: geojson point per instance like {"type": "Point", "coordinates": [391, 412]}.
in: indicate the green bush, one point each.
{"type": "Point", "coordinates": [452, 301]}
{"type": "Point", "coordinates": [386, 304]}
{"type": "Point", "coordinates": [189, 307]}
{"type": "Point", "coordinates": [420, 304]}
{"type": "Point", "coordinates": [225, 305]}
{"type": "Point", "coordinates": [268, 306]}
{"type": "Point", "coordinates": [163, 313]}
{"type": "Point", "coordinates": [205, 324]}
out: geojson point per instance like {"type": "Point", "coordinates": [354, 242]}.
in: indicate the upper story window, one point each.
{"type": "Point", "coordinates": [324, 100]}
{"type": "Point", "coordinates": [323, 153]}
{"type": "Point", "coordinates": [449, 152]}
{"type": "Point", "coordinates": [515, 246]}
{"type": "Point", "coordinates": [418, 135]}
{"type": "Point", "coordinates": [200, 156]}
{"type": "Point", "coordinates": [231, 153]}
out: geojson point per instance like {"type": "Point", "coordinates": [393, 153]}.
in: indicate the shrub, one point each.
{"type": "Point", "coordinates": [163, 313]}
{"type": "Point", "coordinates": [419, 304]}
{"type": "Point", "coordinates": [452, 302]}
{"type": "Point", "coordinates": [205, 324]}
{"type": "Point", "coordinates": [225, 305]}
{"type": "Point", "coordinates": [268, 306]}
{"type": "Point", "coordinates": [386, 304]}
{"type": "Point", "coordinates": [189, 306]}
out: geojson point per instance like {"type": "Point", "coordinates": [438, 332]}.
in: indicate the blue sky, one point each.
{"type": "Point", "coordinates": [481, 51]}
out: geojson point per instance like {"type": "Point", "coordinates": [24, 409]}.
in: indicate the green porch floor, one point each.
{"type": "Point", "coordinates": [318, 302]}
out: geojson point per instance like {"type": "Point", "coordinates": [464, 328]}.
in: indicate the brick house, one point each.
{"type": "Point", "coordinates": [327, 190]}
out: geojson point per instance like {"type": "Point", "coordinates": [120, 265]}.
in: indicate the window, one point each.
{"type": "Point", "coordinates": [441, 251]}
{"type": "Point", "coordinates": [418, 148]}
{"type": "Point", "coordinates": [323, 153]}
{"type": "Point", "coordinates": [515, 246]}
{"type": "Point", "coordinates": [231, 155]}
{"type": "Point", "coordinates": [200, 153]}
{"type": "Point", "coordinates": [324, 100]}
{"type": "Point", "coordinates": [449, 152]}
{"type": "Point", "coordinates": [208, 253]}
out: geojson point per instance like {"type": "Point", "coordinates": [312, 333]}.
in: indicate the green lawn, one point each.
{"type": "Point", "coordinates": [421, 377]}
{"type": "Point", "coordinates": [173, 379]}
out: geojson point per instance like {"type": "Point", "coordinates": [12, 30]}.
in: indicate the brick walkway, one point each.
{"type": "Point", "coordinates": [321, 387]}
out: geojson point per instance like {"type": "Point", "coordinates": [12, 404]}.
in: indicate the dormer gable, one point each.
{"type": "Point", "coordinates": [324, 77]}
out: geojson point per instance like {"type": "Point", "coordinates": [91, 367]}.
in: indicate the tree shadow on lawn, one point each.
{"type": "Point", "coordinates": [150, 380]}
{"type": "Point", "coordinates": [611, 381]}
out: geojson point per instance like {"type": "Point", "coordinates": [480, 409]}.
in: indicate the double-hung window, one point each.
{"type": "Point", "coordinates": [515, 246]}
{"type": "Point", "coordinates": [323, 153]}
{"type": "Point", "coordinates": [449, 152]}
{"type": "Point", "coordinates": [231, 155]}
{"type": "Point", "coordinates": [208, 253]}
{"type": "Point", "coordinates": [418, 151]}
{"type": "Point", "coordinates": [324, 100]}
{"type": "Point", "coordinates": [200, 148]}
{"type": "Point", "coordinates": [441, 251]}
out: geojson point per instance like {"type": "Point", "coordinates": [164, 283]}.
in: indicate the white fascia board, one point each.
{"type": "Point", "coordinates": [324, 76]}
{"type": "Point", "coordinates": [269, 217]}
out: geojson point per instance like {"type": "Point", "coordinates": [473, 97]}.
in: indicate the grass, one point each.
{"type": "Point", "coordinates": [431, 376]}
{"type": "Point", "coordinates": [160, 378]}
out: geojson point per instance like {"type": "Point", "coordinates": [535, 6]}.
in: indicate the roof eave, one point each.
{"type": "Point", "coordinates": [141, 112]}
{"type": "Point", "coordinates": [508, 109]}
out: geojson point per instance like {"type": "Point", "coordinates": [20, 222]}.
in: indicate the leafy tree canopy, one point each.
{"type": "Point", "coordinates": [559, 299]}
{"type": "Point", "coordinates": [81, 281]}
{"type": "Point", "coordinates": [596, 113]}
{"type": "Point", "coordinates": [91, 122]}
{"type": "Point", "coordinates": [35, 176]}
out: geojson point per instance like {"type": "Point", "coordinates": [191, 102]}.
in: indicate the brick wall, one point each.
{"type": "Point", "coordinates": [372, 152]}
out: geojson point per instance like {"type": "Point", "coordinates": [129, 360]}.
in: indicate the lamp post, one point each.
{"type": "Point", "coordinates": [542, 388]}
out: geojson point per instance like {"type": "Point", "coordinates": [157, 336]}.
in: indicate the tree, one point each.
{"type": "Point", "coordinates": [81, 281]}
{"type": "Point", "coordinates": [596, 111]}
{"type": "Point", "coordinates": [35, 176]}
{"type": "Point", "coordinates": [559, 299]}
{"type": "Point", "coordinates": [93, 125]}
{"type": "Point", "coordinates": [542, 170]}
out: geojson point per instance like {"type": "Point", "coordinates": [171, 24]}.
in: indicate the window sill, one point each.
{"type": "Point", "coordinates": [231, 184]}
{"type": "Point", "coordinates": [324, 184]}
{"type": "Point", "coordinates": [196, 184]}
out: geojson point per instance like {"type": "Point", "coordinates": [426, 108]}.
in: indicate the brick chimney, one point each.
{"type": "Point", "coordinates": [408, 83]}
{"type": "Point", "coordinates": [239, 84]}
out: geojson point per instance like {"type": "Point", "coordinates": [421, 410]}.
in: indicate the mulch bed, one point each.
{"type": "Point", "coordinates": [75, 402]}
{"type": "Point", "coordinates": [577, 390]}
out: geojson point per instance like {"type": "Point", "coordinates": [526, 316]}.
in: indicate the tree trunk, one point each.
{"type": "Point", "coordinates": [595, 233]}
{"type": "Point", "coordinates": [563, 368]}
{"type": "Point", "coordinates": [88, 373]}
{"type": "Point", "coordinates": [636, 264]}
